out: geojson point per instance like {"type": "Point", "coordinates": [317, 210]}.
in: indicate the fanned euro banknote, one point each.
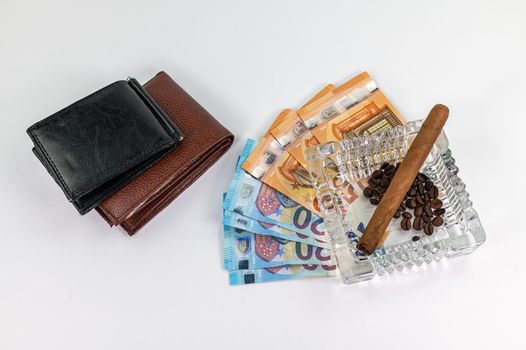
{"type": "Point", "coordinates": [239, 221]}
{"type": "Point", "coordinates": [279, 273]}
{"type": "Point", "coordinates": [270, 163]}
{"type": "Point", "coordinates": [246, 250]}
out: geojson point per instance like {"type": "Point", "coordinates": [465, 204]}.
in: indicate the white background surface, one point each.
{"type": "Point", "coordinates": [71, 282]}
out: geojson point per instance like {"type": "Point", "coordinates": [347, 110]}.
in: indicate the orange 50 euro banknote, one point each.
{"type": "Point", "coordinates": [277, 168]}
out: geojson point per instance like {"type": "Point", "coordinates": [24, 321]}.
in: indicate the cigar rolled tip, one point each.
{"type": "Point", "coordinates": [440, 108]}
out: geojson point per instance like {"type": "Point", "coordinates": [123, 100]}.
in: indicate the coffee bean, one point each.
{"type": "Point", "coordinates": [415, 238]}
{"type": "Point", "coordinates": [381, 190]}
{"type": "Point", "coordinates": [428, 229]}
{"type": "Point", "coordinates": [436, 204]}
{"type": "Point", "coordinates": [384, 182]}
{"type": "Point", "coordinates": [407, 215]}
{"type": "Point", "coordinates": [438, 221]}
{"type": "Point", "coordinates": [438, 212]}
{"type": "Point", "coordinates": [374, 201]}
{"type": "Point", "coordinates": [431, 192]}
{"type": "Point", "coordinates": [411, 192]}
{"type": "Point", "coordinates": [426, 218]}
{"type": "Point", "coordinates": [373, 183]}
{"type": "Point", "coordinates": [418, 224]}
{"type": "Point", "coordinates": [415, 184]}
{"type": "Point", "coordinates": [420, 200]}
{"type": "Point", "coordinates": [368, 192]}
{"type": "Point", "coordinates": [397, 214]}
{"type": "Point", "coordinates": [402, 207]}
{"type": "Point", "coordinates": [411, 203]}
{"type": "Point", "coordinates": [378, 174]}
{"type": "Point", "coordinates": [428, 185]}
{"type": "Point", "coordinates": [421, 189]}
{"type": "Point", "coordinates": [390, 169]}
{"type": "Point", "coordinates": [397, 166]}
{"type": "Point", "coordinates": [419, 211]}
{"type": "Point", "coordinates": [405, 224]}
{"type": "Point", "coordinates": [421, 177]}
{"type": "Point", "coordinates": [427, 197]}
{"type": "Point", "coordinates": [384, 165]}
{"type": "Point", "coordinates": [428, 211]}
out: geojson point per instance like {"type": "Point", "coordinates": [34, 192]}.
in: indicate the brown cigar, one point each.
{"type": "Point", "coordinates": [375, 233]}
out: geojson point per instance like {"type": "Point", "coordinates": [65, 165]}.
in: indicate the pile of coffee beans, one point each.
{"type": "Point", "coordinates": [422, 198]}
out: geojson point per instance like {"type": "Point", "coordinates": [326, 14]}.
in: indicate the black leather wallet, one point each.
{"type": "Point", "coordinates": [98, 144]}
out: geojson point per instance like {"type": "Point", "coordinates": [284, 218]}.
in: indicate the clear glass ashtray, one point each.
{"type": "Point", "coordinates": [339, 171]}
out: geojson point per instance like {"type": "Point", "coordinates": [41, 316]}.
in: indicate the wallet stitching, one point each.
{"type": "Point", "coordinates": [48, 158]}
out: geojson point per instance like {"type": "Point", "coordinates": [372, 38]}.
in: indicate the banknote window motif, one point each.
{"type": "Point", "coordinates": [284, 140]}
{"type": "Point", "coordinates": [270, 157]}
{"type": "Point", "coordinates": [311, 123]}
{"type": "Point", "coordinates": [258, 172]}
{"type": "Point", "coordinates": [246, 190]}
{"type": "Point", "coordinates": [329, 113]}
{"type": "Point", "coordinates": [347, 102]}
{"type": "Point", "coordinates": [243, 245]}
{"type": "Point", "coordinates": [371, 86]}
{"type": "Point", "coordinates": [299, 129]}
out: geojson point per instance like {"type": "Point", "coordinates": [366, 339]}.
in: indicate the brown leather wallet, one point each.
{"type": "Point", "coordinates": [206, 140]}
